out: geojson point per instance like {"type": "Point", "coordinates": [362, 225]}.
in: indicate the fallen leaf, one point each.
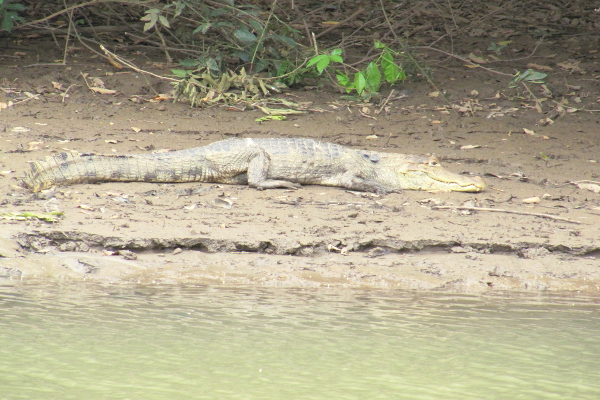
{"type": "Point", "coordinates": [372, 137]}
{"type": "Point", "coordinates": [531, 200]}
{"type": "Point", "coordinates": [539, 67]}
{"type": "Point", "coordinates": [102, 90]}
{"type": "Point", "coordinates": [470, 146]}
{"type": "Point", "coordinates": [434, 94]}
{"type": "Point", "coordinates": [588, 186]}
{"type": "Point", "coordinates": [136, 130]}
{"type": "Point", "coordinates": [57, 85]}
{"type": "Point", "coordinates": [223, 203]}
{"type": "Point", "coordinates": [20, 129]}
{"type": "Point", "coordinates": [529, 132]}
{"type": "Point", "coordinates": [572, 66]}
{"type": "Point", "coordinates": [477, 59]}
{"type": "Point", "coordinates": [98, 82]}
{"type": "Point", "coordinates": [474, 93]}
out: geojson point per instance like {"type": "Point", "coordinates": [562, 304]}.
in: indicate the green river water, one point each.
{"type": "Point", "coordinates": [177, 342]}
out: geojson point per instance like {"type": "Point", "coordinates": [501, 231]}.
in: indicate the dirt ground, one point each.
{"type": "Point", "coordinates": [547, 237]}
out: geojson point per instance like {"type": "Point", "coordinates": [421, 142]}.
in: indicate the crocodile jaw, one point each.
{"type": "Point", "coordinates": [427, 176]}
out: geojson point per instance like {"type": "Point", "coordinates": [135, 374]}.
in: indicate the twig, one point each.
{"type": "Point", "coordinates": [549, 216]}
{"type": "Point", "coordinates": [384, 103]}
{"type": "Point", "coordinates": [89, 3]}
{"type": "Point", "coordinates": [461, 59]}
{"type": "Point", "coordinates": [350, 18]}
{"type": "Point", "coordinates": [133, 67]}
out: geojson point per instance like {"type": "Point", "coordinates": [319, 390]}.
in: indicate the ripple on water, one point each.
{"type": "Point", "coordinates": [157, 342]}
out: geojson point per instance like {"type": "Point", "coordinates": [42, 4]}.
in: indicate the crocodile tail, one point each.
{"type": "Point", "coordinates": [73, 167]}
{"type": "Point", "coordinates": [49, 172]}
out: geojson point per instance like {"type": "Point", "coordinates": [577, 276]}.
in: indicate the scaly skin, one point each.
{"type": "Point", "coordinates": [260, 163]}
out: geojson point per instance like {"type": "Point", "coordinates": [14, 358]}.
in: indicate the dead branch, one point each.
{"type": "Point", "coordinates": [501, 210]}
{"type": "Point", "coordinates": [350, 18]}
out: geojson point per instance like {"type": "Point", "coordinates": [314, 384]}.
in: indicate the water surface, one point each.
{"type": "Point", "coordinates": [174, 342]}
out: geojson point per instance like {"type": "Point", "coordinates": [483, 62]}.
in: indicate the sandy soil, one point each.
{"type": "Point", "coordinates": [316, 236]}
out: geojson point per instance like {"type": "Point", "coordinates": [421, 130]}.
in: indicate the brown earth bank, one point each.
{"type": "Point", "coordinates": [534, 228]}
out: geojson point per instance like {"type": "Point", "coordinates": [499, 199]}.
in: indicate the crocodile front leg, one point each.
{"type": "Point", "coordinates": [258, 171]}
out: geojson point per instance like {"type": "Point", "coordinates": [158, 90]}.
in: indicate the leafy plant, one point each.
{"type": "Point", "coordinates": [498, 47]}
{"type": "Point", "coordinates": [229, 36]}
{"type": "Point", "coordinates": [366, 81]}
{"type": "Point", "coordinates": [530, 75]}
{"type": "Point", "coordinates": [9, 14]}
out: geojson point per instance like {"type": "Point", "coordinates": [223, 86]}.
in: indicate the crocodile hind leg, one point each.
{"type": "Point", "coordinates": [258, 171]}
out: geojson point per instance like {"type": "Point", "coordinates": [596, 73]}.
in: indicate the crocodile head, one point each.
{"type": "Point", "coordinates": [426, 173]}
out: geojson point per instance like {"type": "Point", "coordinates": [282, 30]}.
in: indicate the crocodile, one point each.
{"type": "Point", "coordinates": [260, 163]}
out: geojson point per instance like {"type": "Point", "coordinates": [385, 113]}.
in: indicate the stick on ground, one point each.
{"type": "Point", "coordinates": [549, 216]}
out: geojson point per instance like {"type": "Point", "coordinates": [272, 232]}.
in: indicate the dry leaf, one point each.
{"type": "Point", "coordinates": [34, 145]}
{"type": "Point", "coordinates": [372, 137]}
{"type": "Point", "coordinates": [102, 90]}
{"type": "Point", "coordinates": [588, 186]}
{"type": "Point", "coordinates": [223, 203]}
{"type": "Point", "coordinates": [538, 67]}
{"type": "Point", "coordinates": [470, 146]}
{"type": "Point", "coordinates": [98, 82]}
{"type": "Point", "coordinates": [477, 59]}
{"type": "Point", "coordinates": [531, 200]}
{"type": "Point", "coordinates": [529, 132]}
{"type": "Point", "coordinates": [136, 130]}
{"type": "Point", "coordinates": [57, 85]}
{"type": "Point", "coordinates": [474, 92]}
{"type": "Point", "coordinates": [572, 66]}
{"type": "Point", "coordinates": [20, 129]}
{"type": "Point", "coordinates": [434, 94]}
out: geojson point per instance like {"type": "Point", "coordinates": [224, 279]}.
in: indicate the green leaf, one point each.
{"type": "Point", "coordinates": [336, 52]}
{"type": "Point", "coordinates": [189, 62]}
{"type": "Point", "coordinates": [373, 76]}
{"type": "Point", "coordinates": [217, 12]}
{"type": "Point", "coordinates": [152, 18]}
{"type": "Point", "coordinates": [360, 81]}
{"type": "Point", "coordinates": [392, 72]}
{"type": "Point", "coordinates": [379, 45]}
{"type": "Point", "coordinates": [344, 80]}
{"type": "Point", "coordinates": [245, 36]}
{"type": "Point", "coordinates": [271, 118]}
{"type": "Point", "coordinates": [257, 26]}
{"type": "Point", "coordinates": [285, 40]}
{"type": "Point", "coordinates": [7, 23]}
{"type": "Point", "coordinates": [316, 59]}
{"type": "Point", "coordinates": [180, 73]}
{"type": "Point", "coordinates": [260, 65]}
{"type": "Point", "coordinates": [212, 64]}
{"type": "Point", "coordinates": [324, 63]}
{"type": "Point", "coordinates": [336, 58]}
{"type": "Point", "coordinates": [16, 7]}
{"type": "Point", "coordinates": [164, 21]}
{"type": "Point", "coordinates": [202, 28]}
